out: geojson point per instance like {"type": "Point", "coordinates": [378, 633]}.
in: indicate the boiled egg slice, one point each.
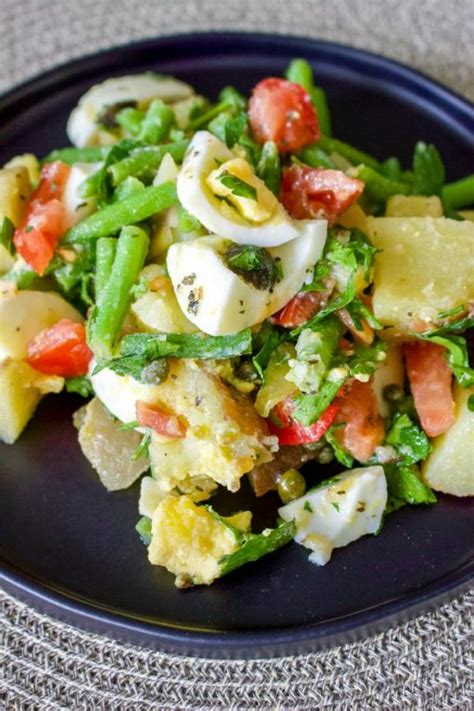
{"type": "Point", "coordinates": [347, 507]}
{"type": "Point", "coordinates": [226, 196]}
{"type": "Point", "coordinates": [138, 89]}
{"type": "Point", "coordinates": [218, 300]}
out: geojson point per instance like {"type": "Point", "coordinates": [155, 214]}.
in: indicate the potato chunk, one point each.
{"type": "Point", "coordinates": [189, 540]}
{"type": "Point", "coordinates": [23, 314]}
{"type": "Point", "coordinates": [225, 438]}
{"type": "Point", "coordinates": [107, 448]}
{"type": "Point", "coordinates": [426, 266]}
{"type": "Point", "coordinates": [21, 389]}
{"type": "Point", "coordinates": [450, 466]}
{"type": "Point", "coordinates": [414, 206]}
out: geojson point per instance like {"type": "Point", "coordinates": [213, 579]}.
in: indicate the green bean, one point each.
{"type": "Point", "coordinates": [458, 194]}
{"type": "Point", "coordinates": [269, 168]}
{"type": "Point", "coordinates": [233, 98]}
{"type": "Point", "coordinates": [105, 254]}
{"type": "Point", "coordinates": [316, 157]}
{"type": "Point", "coordinates": [300, 72]}
{"type": "Point", "coordinates": [108, 317]}
{"type": "Point", "coordinates": [353, 155]}
{"type": "Point", "coordinates": [130, 120]}
{"type": "Point", "coordinates": [211, 113]}
{"type": "Point", "coordinates": [71, 155]}
{"type": "Point", "coordinates": [144, 162]}
{"type": "Point", "coordinates": [377, 186]}
{"type": "Point", "coordinates": [157, 122]}
{"type": "Point", "coordinates": [129, 186]}
{"type": "Point", "coordinates": [320, 103]}
{"type": "Point", "coordinates": [391, 168]}
{"type": "Point", "coordinates": [113, 217]}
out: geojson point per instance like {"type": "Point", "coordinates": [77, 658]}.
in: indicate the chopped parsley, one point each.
{"type": "Point", "coordinates": [237, 186]}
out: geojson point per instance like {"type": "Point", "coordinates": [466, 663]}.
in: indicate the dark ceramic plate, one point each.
{"type": "Point", "coordinates": [70, 547]}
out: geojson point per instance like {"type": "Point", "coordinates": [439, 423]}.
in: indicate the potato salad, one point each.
{"type": "Point", "coordinates": [242, 299]}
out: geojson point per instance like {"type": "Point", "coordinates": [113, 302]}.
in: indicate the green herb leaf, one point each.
{"type": "Point", "coordinates": [457, 355]}
{"type": "Point", "coordinates": [428, 169]}
{"type": "Point", "coordinates": [453, 327]}
{"type": "Point", "coordinates": [143, 529]}
{"type": "Point", "coordinates": [265, 343]}
{"type": "Point", "coordinates": [234, 129]}
{"type": "Point", "coordinates": [187, 222]}
{"type": "Point", "coordinates": [308, 408]}
{"type": "Point", "coordinates": [409, 439]}
{"type": "Point", "coordinates": [7, 231]}
{"type": "Point", "coordinates": [404, 484]}
{"type": "Point", "coordinates": [142, 449]}
{"type": "Point", "coordinates": [127, 426]}
{"type": "Point", "coordinates": [246, 257]}
{"type": "Point", "coordinates": [470, 403]}
{"type": "Point", "coordinates": [139, 350]}
{"type": "Point", "coordinates": [254, 264]}
{"type": "Point", "coordinates": [237, 186]}
{"type": "Point", "coordinates": [352, 255]}
{"type": "Point", "coordinates": [342, 456]}
{"type": "Point", "coordinates": [307, 507]}
{"type": "Point", "coordinates": [257, 545]}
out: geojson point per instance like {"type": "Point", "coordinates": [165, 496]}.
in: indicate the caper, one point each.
{"type": "Point", "coordinates": [314, 446]}
{"type": "Point", "coordinates": [245, 371]}
{"type": "Point", "coordinates": [155, 372]}
{"type": "Point", "coordinates": [291, 485]}
{"type": "Point", "coordinates": [326, 455]}
{"type": "Point", "coordinates": [393, 393]}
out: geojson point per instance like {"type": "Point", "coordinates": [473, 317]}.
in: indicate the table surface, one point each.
{"type": "Point", "coordinates": [425, 663]}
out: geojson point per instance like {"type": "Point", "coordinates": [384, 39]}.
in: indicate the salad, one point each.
{"type": "Point", "coordinates": [235, 293]}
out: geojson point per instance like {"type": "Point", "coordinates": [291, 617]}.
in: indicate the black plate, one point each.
{"type": "Point", "coordinates": [70, 547]}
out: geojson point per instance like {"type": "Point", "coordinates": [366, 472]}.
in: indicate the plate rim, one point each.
{"type": "Point", "coordinates": [244, 643]}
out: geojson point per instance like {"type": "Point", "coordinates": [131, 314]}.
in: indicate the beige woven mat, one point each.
{"type": "Point", "coordinates": [424, 664]}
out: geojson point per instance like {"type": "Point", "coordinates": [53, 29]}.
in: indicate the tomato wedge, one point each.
{"type": "Point", "coordinates": [282, 111]}
{"type": "Point", "coordinates": [60, 350]}
{"type": "Point", "coordinates": [298, 310]}
{"type": "Point", "coordinates": [358, 410]}
{"type": "Point", "coordinates": [430, 382]}
{"type": "Point", "coordinates": [161, 422]}
{"type": "Point", "coordinates": [43, 223]}
{"type": "Point", "coordinates": [293, 432]}
{"type": "Point", "coordinates": [316, 192]}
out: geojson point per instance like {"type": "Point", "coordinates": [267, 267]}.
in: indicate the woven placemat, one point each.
{"type": "Point", "coordinates": [424, 664]}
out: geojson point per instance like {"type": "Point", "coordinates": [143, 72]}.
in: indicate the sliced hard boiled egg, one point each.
{"type": "Point", "coordinates": [137, 90]}
{"type": "Point", "coordinates": [226, 196]}
{"type": "Point", "coordinates": [77, 207]}
{"type": "Point", "coordinates": [347, 507]}
{"type": "Point", "coordinates": [218, 300]}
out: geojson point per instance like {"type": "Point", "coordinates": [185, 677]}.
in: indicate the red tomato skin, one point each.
{"type": "Point", "coordinates": [430, 381]}
{"type": "Point", "coordinates": [161, 422]}
{"type": "Point", "coordinates": [60, 350]}
{"type": "Point", "coordinates": [52, 181]}
{"type": "Point", "coordinates": [308, 193]}
{"type": "Point", "coordinates": [282, 111]}
{"type": "Point", "coordinates": [364, 429]}
{"type": "Point", "coordinates": [36, 240]}
{"type": "Point", "coordinates": [293, 432]}
{"type": "Point", "coordinates": [298, 310]}
{"type": "Point", "coordinates": [42, 225]}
